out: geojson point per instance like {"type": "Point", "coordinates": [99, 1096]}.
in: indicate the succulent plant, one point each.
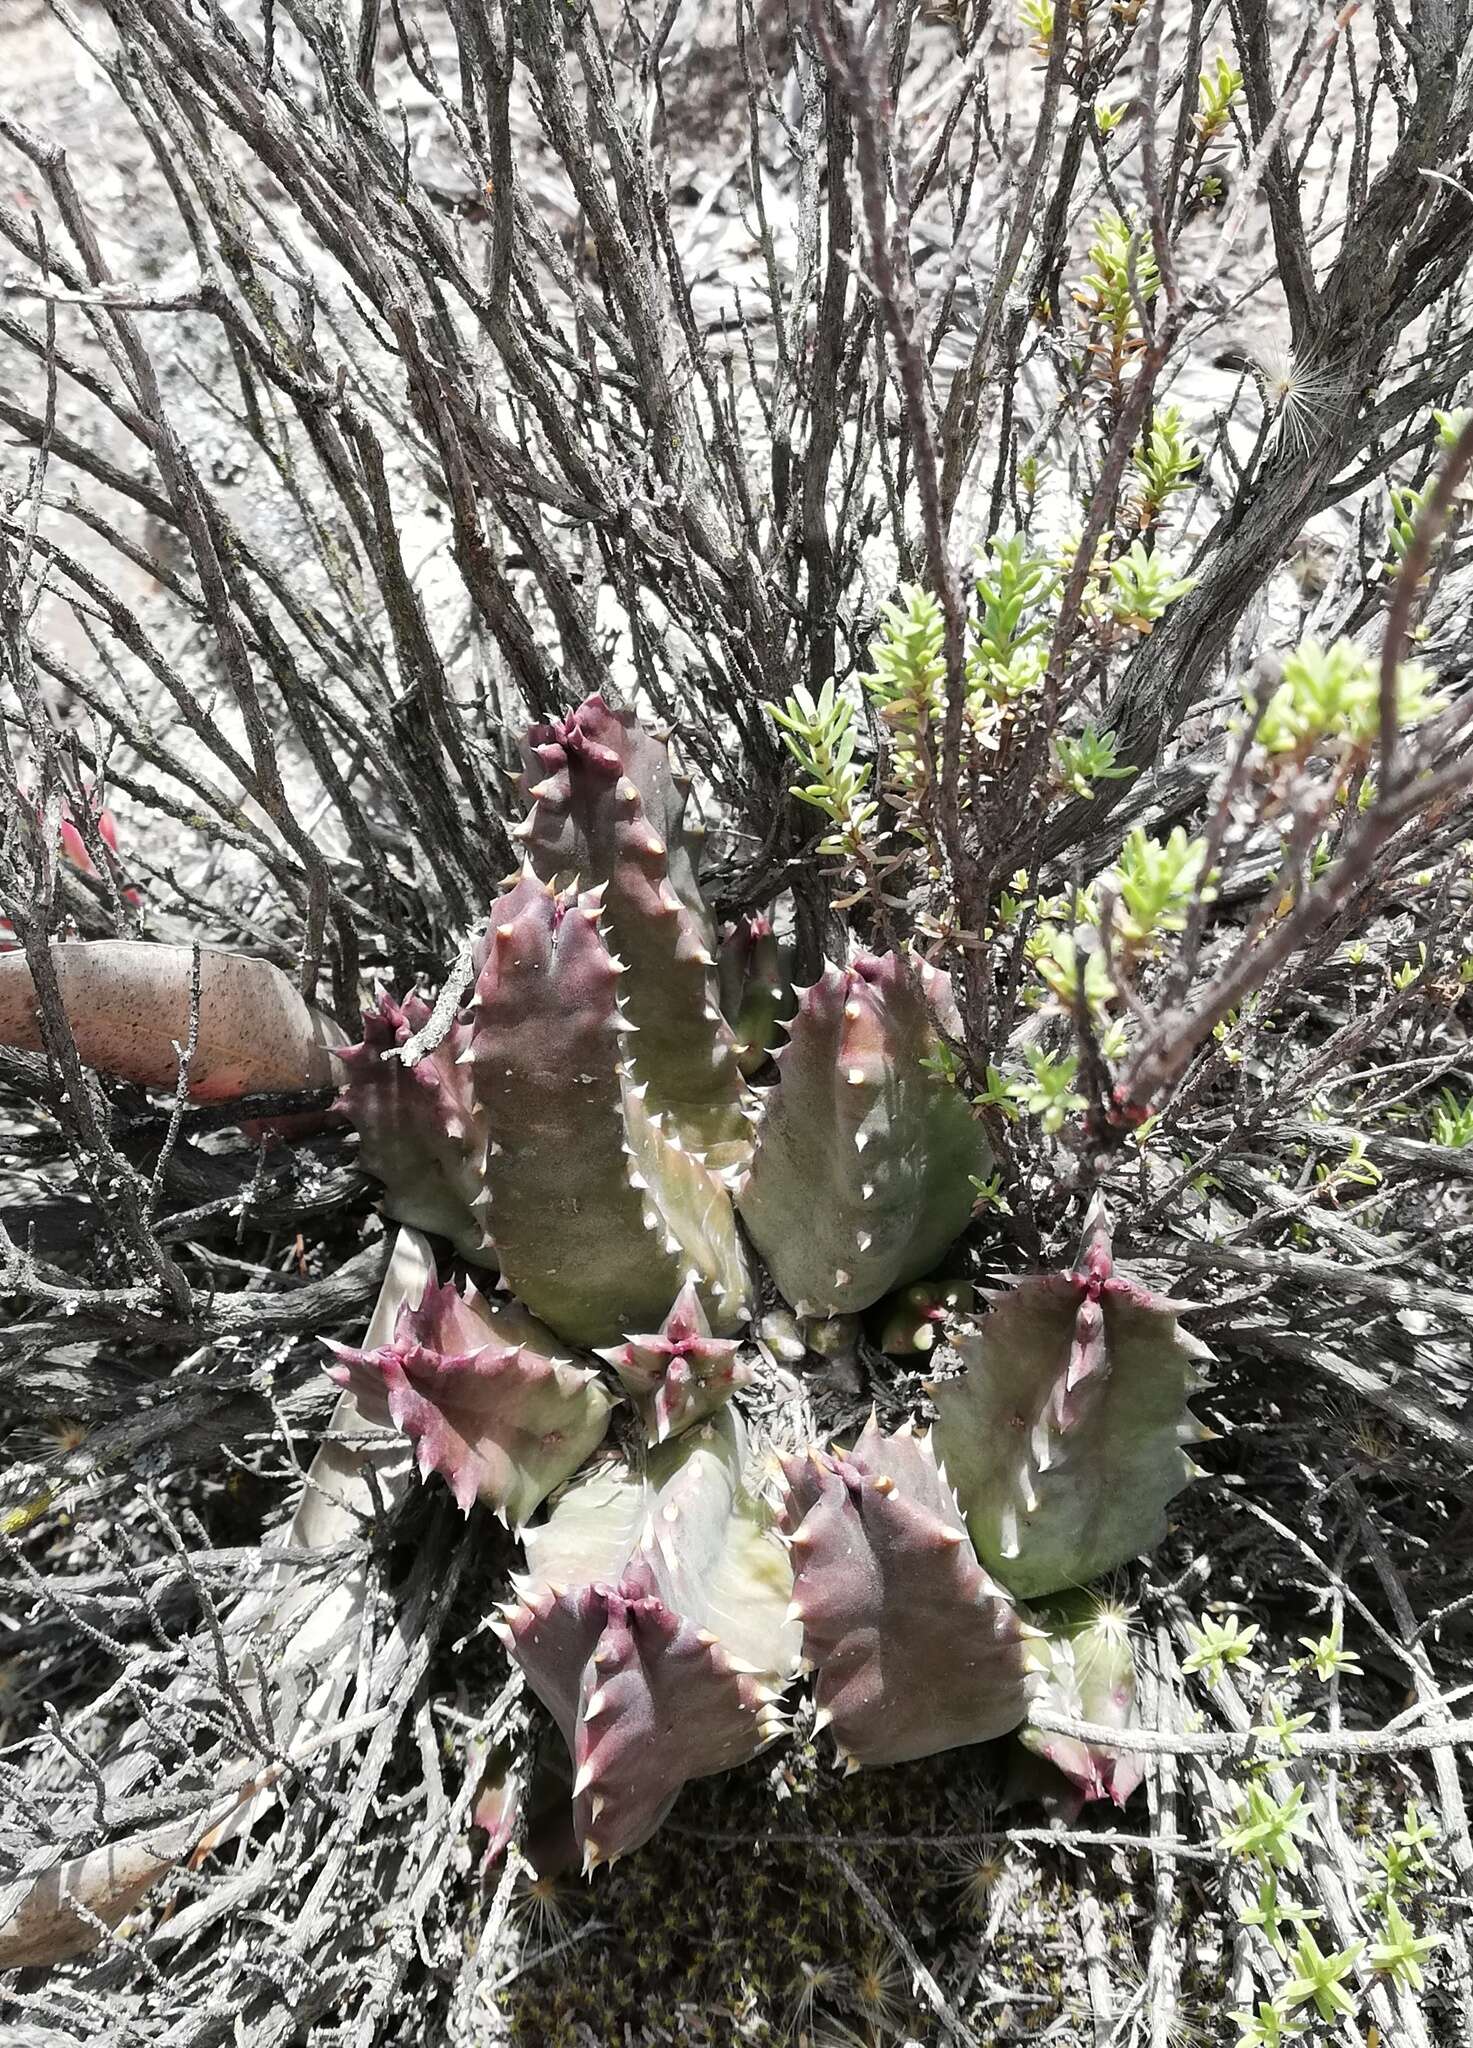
{"type": "Point", "coordinates": [609, 811]}
{"type": "Point", "coordinates": [498, 1803]}
{"type": "Point", "coordinates": [1085, 1668]}
{"type": "Point", "coordinates": [1066, 1436]}
{"type": "Point", "coordinates": [652, 1623]}
{"type": "Point", "coordinates": [680, 1373]}
{"type": "Point", "coordinates": [916, 1316]}
{"type": "Point", "coordinates": [480, 1389]}
{"type": "Point", "coordinates": [781, 1337]}
{"type": "Point", "coordinates": [915, 1648]}
{"type": "Point", "coordinates": [756, 988]}
{"type": "Point", "coordinates": [599, 1214]}
{"type": "Point", "coordinates": [582, 1118]}
{"type": "Point", "coordinates": [583, 1127]}
{"type": "Point", "coordinates": [419, 1128]}
{"type": "Point", "coordinates": [865, 1156]}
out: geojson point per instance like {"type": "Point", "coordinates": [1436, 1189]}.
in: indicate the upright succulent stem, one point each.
{"type": "Point", "coordinates": [652, 1625]}
{"type": "Point", "coordinates": [609, 812]}
{"type": "Point", "coordinates": [679, 1374]}
{"type": "Point", "coordinates": [756, 992]}
{"type": "Point", "coordinates": [482, 1391]}
{"type": "Point", "coordinates": [419, 1128]}
{"type": "Point", "coordinates": [1086, 1668]}
{"type": "Point", "coordinates": [916, 1649]}
{"type": "Point", "coordinates": [1067, 1433]}
{"type": "Point", "coordinates": [862, 1173]}
{"type": "Point", "coordinates": [599, 1217]}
